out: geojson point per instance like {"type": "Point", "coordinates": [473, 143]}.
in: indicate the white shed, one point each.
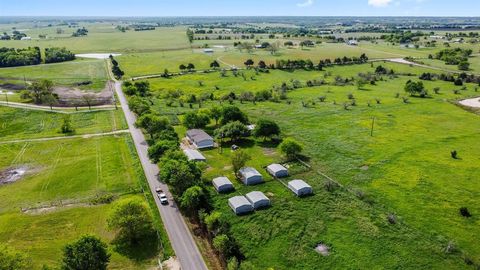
{"type": "Point", "coordinates": [200, 138]}
{"type": "Point", "coordinates": [258, 199]}
{"type": "Point", "coordinates": [240, 205]}
{"type": "Point", "coordinates": [250, 176]}
{"type": "Point", "coordinates": [222, 184]}
{"type": "Point", "coordinates": [300, 188]}
{"type": "Point", "coordinates": [277, 170]}
{"type": "Point", "coordinates": [194, 155]}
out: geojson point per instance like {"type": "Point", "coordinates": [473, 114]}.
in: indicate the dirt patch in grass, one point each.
{"type": "Point", "coordinates": [171, 264]}
{"type": "Point", "coordinates": [269, 151]}
{"type": "Point", "coordinates": [11, 175]}
{"type": "Point", "coordinates": [70, 97]}
{"type": "Point", "coordinates": [48, 209]}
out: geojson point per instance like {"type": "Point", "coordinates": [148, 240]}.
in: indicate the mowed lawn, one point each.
{"type": "Point", "coordinates": [18, 124]}
{"type": "Point", "coordinates": [405, 169]}
{"type": "Point", "coordinates": [61, 74]}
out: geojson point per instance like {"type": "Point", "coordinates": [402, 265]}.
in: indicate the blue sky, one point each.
{"type": "Point", "coordinates": [240, 7]}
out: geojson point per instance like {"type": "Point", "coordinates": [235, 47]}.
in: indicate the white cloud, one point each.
{"type": "Point", "coordinates": [307, 3]}
{"type": "Point", "coordinates": [379, 3]}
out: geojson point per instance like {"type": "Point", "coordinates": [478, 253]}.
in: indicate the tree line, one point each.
{"type": "Point", "coordinates": [11, 57]}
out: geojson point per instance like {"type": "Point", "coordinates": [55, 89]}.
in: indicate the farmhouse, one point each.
{"type": "Point", "coordinates": [222, 184]}
{"type": "Point", "coordinates": [277, 170]}
{"type": "Point", "coordinates": [240, 205]}
{"type": "Point", "coordinates": [250, 176]}
{"type": "Point", "coordinates": [200, 138]}
{"type": "Point", "coordinates": [258, 199]}
{"type": "Point", "coordinates": [194, 155]}
{"type": "Point", "coordinates": [300, 188]}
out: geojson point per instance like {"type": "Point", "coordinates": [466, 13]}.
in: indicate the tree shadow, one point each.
{"type": "Point", "coordinates": [145, 249]}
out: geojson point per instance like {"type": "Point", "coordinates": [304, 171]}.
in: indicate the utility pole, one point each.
{"type": "Point", "coordinates": [373, 123]}
{"type": "Point", "coordinates": [6, 96]}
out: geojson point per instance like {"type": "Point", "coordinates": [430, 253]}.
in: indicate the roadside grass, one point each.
{"type": "Point", "coordinates": [61, 74]}
{"type": "Point", "coordinates": [27, 124]}
{"type": "Point", "coordinates": [404, 169]}
{"type": "Point", "coordinates": [71, 172]}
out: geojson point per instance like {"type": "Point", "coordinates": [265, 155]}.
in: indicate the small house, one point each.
{"type": "Point", "coordinates": [240, 205]}
{"type": "Point", "coordinates": [222, 184]}
{"type": "Point", "coordinates": [300, 188]}
{"type": "Point", "coordinates": [258, 199]}
{"type": "Point", "coordinates": [194, 155]}
{"type": "Point", "coordinates": [200, 138]}
{"type": "Point", "coordinates": [250, 176]}
{"type": "Point", "coordinates": [277, 170]}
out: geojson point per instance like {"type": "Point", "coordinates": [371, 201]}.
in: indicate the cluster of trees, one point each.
{"type": "Point", "coordinates": [457, 56]}
{"type": "Point", "coordinates": [189, 67]}
{"type": "Point", "coordinates": [80, 32]}
{"type": "Point", "coordinates": [55, 55]}
{"type": "Point", "coordinates": [10, 57]}
{"type": "Point", "coordinates": [415, 88]}
{"type": "Point", "coordinates": [458, 80]}
{"type": "Point", "coordinates": [117, 72]}
{"type": "Point", "coordinates": [41, 92]}
{"type": "Point", "coordinates": [403, 37]}
{"type": "Point", "coordinates": [16, 35]}
{"type": "Point", "coordinates": [309, 65]}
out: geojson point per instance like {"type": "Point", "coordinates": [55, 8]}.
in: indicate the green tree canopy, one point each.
{"type": "Point", "coordinates": [13, 260]}
{"type": "Point", "coordinates": [239, 159]}
{"type": "Point", "coordinates": [233, 130]}
{"type": "Point", "coordinates": [195, 120]}
{"type": "Point", "coordinates": [290, 148]}
{"type": "Point", "coordinates": [266, 129]}
{"type": "Point", "coordinates": [231, 114]}
{"type": "Point", "coordinates": [153, 123]}
{"type": "Point", "coordinates": [87, 253]}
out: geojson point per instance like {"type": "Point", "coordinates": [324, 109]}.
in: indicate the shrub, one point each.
{"type": "Point", "coordinates": [290, 148]}
{"type": "Point", "coordinates": [330, 185]}
{"type": "Point", "coordinates": [454, 154]}
{"type": "Point", "coordinates": [392, 218]}
{"type": "Point", "coordinates": [464, 212]}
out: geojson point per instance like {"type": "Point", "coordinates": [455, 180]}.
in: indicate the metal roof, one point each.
{"type": "Point", "coordinates": [221, 181]}
{"type": "Point", "coordinates": [193, 154]}
{"type": "Point", "coordinates": [239, 201]}
{"type": "Point", "coordinates": [276, 168]}
{"type": "Point", "coordinates": [198, 135]}
{"type": "Point", "coordinates": [256, 196]}
{"type": "Point", "coordinates": [248, 172]}
{"type": "Point", "coordinates": [298, 184]}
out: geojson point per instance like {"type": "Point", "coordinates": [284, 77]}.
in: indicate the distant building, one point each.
{"type": "Point", "coordinates": [258, 199]}
{"type": "Point", "coordinates": [222, 184]}
{"type": "Point", "coordinates": [200, 138]}
{"type": "Point", "coordinates": [240, 205]}
{"type": "Point", "coordinates": [437, 37]}
{"type": "Point", "coordinates": [194, 155]}
{"type": "Point", "coordinates": [277, 170]}
{"type": "Point", "coordinates": [352, 42]}
{"type": "Point", "coordinates": [300, 188]}
{"type": "Point", "coordinates": [26, 38]}
{"type": "Point", "coordinates": [250, 176]}
{"type": "Point", "coordinates": [208, 50]}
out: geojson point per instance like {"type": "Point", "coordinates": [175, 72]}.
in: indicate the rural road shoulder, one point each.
{"type": "Point", "coordinates": [182, 241]}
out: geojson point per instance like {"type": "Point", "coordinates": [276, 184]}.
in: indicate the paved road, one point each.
{"type": "Point", "coordinates": [68, 137]}
{"type": "Point", "coordinates": [182, 241]}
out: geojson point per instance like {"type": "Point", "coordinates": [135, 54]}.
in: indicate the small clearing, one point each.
{"type": "Point", "coordinates": [471, 102]}
{"type": "Point", "coordinates": [12, 175]}
{"type": "Point", "coordinates": [97, 55]}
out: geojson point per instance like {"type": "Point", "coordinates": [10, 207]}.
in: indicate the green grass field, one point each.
{"type": "Point", "coordinates": [405, 169]}
{"type": "Point", "coordinates": [26, 124]}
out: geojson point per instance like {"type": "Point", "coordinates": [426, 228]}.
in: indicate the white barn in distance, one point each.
{"type": "Point", "coordinates": [277, 170]}
{"type": "Point", "coordinates": [250, 176]}
{"type": "Point", "coordinates": [240, 205]}
{"type": "Point", "coordinates": [200, 138]}
{"type": "Point", "coordinates": [300, 188]}
{"type": "Point", "coordinates": [222, 184]}
{"type": "Point", "coordinates": [258, 199]}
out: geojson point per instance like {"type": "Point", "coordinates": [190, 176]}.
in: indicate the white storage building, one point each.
{"type": "Point", "coordinates": [200, 138]}
{"type": "Point", "coordinates": [300, 188]}
{"type": "Point", "coordinates": [277, 170]}
{"type": "Point", "coordinates": [250, 176]}
{"type": "Point", "coordinates": [258, 199]}
{"type": "Point", "coordinates": [240, 205]}
{"type": "Point", "coordinates": [194, 155]}
{"type": "Point", "coordinates": [222, 184]}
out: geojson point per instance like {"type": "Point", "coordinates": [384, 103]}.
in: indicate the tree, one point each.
{"type": "Point", "coordinates": [233, 130]}
{"type": "Point", "coordinates": [232, 113]}
{"type": "Point", "coordinates": [266, 129]}
{"type": "Point", "coordinates": [262, 64]}
{"type": "Point", "coordinates": [182, 67]}
{"type": "Point", "coordinates": [464, 65]}
{"type": "Point", "coordinates": [153, 123]}
{"type": "Point", "coordinates": [89, 99]}
{"type": "Point", "coordinates": [143, 88]}
{"type": "Point", "coordinates": [290, 148]}
{"type": "Point", "coordinates": [273, 48]}
{"type": "Point", "coordinates": [87, 253]}
{"type": "Point", "coordinates": [195, 120]}
{"type": "Point", "coordinates": [139, 105]}
{"type": "Point", "coordinates": [180, 174]}
{"type": "Point", "coordinates": [361, 82]}
{"type": "Point", "coordinates": [67, 126]}
{"type": "Point", "coordinates": [132, 221]}
{"type": "Point", "coordinates": [190, 66]}
{"type": "Point", "coordinates": [13, 260]}
{"type": "Point", "coordinates": [214, 64]}
{"type": "Point", "coordinates": [215, 113]}
{"type": "Point", "coordinates": [414, 88]}
{"type": "Point", "coordinates": [249, 63]}
{"type": "Point", "coordinates": [193, 199]}
{"type": "Point", "coordinates": [41, 90]}
{"type": "Point", "coordinates": [156, 151]}
{"type": "Point", "coordinates": [239, 159]}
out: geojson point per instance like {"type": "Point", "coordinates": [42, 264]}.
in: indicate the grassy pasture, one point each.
{"type": "Point", "coordinates": [26, 124]}
{"type": "Point", "coordinates": [405, 169]}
